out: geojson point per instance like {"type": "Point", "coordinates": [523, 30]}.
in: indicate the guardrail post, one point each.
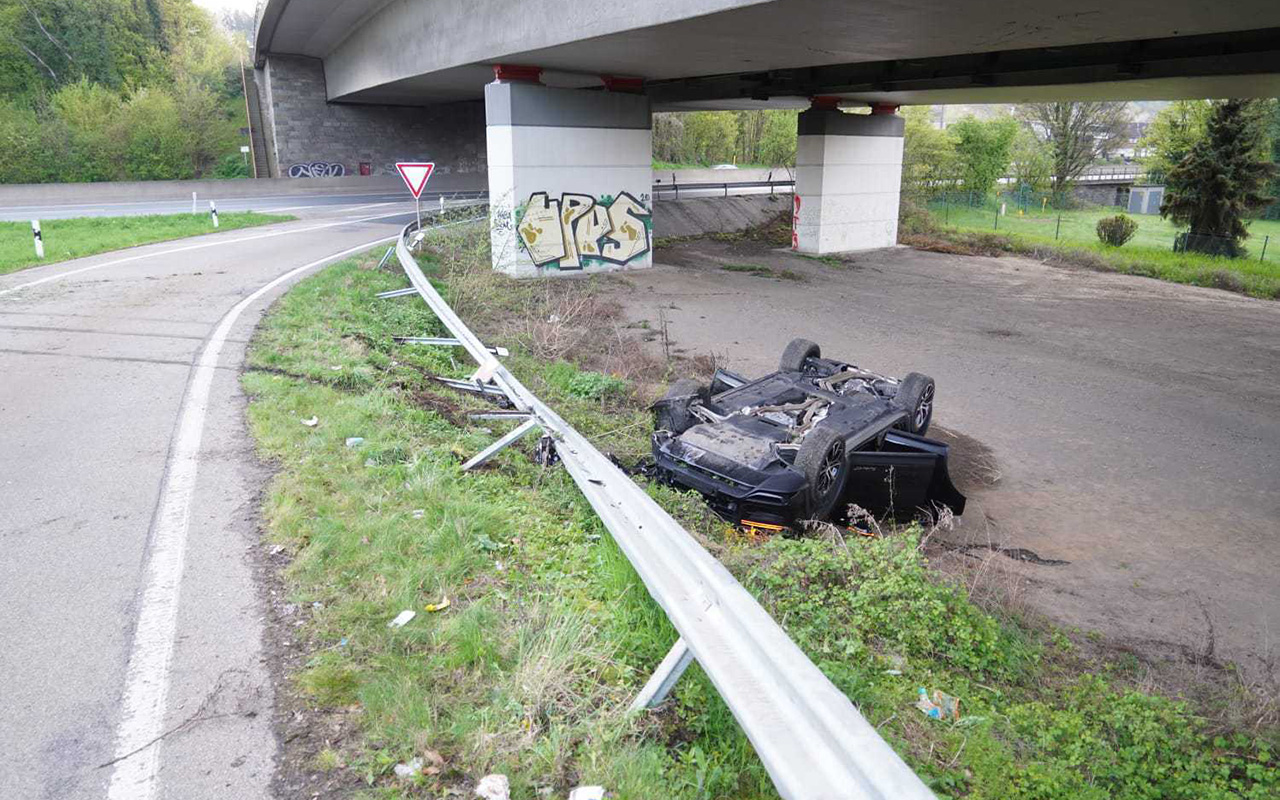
{"type": "Point", "coordinates": [39, 238]}
{"type": "Point", "coordinates": [664, 677]}
{"type": "Point", "coordinates": [493, 449]}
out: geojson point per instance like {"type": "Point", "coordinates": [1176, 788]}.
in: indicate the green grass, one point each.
{"type": "Point", "coordinates": [1149, 253]}
{"type": "Point", "coordinates": [549, 633]}
{"type": "Point", "coordinates": [85, 236]}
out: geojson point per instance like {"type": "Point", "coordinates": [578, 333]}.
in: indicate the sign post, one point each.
{"type": "Point", "coordinates": [35, 232]}
{"type": "Point", "coordinates": [415, 176]}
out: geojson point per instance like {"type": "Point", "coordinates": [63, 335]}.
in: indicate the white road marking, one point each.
{"type": "Point", "coordinates": [201, 246]}
{"type": "Point", "coordinates": [147, 679]}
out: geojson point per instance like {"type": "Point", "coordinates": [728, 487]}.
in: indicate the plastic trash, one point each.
{"type": "Point", "coordinates": [402, 619]}
{"type": "Point", "coordinates": [419, 513]}
{"type": "Point", "coordinates": [587, 793]}
{"type": "Point", "coordinates": [494, 787]}
{"type": "Point", "coordinates": [355, 441]}
{"type": "Point", "coordinates": [441, 606]}
{"type": "Point", "coordinates": [311, 423]}
{"type": "Point", "coordinates": [941, 706]}
{"type": "Point", "coordinates": [410, 769]}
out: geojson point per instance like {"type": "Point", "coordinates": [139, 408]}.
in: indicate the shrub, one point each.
{"type": "Point", "coordinates": [1117, 230]}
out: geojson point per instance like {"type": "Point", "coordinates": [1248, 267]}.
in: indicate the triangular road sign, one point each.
{"type": "Point", "coordinates": [415, 176]}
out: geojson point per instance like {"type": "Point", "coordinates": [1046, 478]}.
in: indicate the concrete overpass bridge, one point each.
{"type": "Point", "coordinates": [548, 102]}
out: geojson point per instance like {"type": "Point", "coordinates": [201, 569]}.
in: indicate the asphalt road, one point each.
{"type": "Point", "coordinates": [1134, 424]}
{"type": "Point", "coordinates": [128, 489]}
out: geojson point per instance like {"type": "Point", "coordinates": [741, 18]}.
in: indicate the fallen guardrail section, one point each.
{"type": "Point", "coordinates": [809, 736]}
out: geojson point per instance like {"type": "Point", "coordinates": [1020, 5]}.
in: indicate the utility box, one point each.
{"type": "Point", "coordinates": [1145, 199]}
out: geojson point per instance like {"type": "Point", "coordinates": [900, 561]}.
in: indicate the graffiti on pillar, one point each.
{"type": "Point", "coordinates": [795, 220]}
{"type": "Point", "coordinates": [317, 169]}
{"type": "Point", "coordinates": [575, 231]}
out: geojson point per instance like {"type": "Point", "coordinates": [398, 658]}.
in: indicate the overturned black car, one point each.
{"type": "Point", "coordinates": [805, 442]}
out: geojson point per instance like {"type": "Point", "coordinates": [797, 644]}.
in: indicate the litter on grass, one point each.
{"type": "Point", "coordinates": [942, 706]}
{"type": "Point", "coordinates": [494, 787]}
{"type": "Point", "coordinates": [402, 619]}
{"type": "Point", "coordinates": [441, 606]}
{"type": "Point", "coordinates": [409, 769]}
{"type": "Point", "coordinates": [311, 423]}
{"type": "Point", "coordinates": [587, 793]}
{"type": "Point", "coordinates": [355, 441]}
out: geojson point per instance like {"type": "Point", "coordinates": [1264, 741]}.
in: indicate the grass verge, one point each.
{"type": "Point", "coordinates": [65, 239]}
{"type": "Point", "coordinates": [548, 633]}
{"type": "Point", "coordinates": [970, 231]}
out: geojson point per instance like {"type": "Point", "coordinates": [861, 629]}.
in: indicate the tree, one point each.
{"type": "Point", "coordinates": [1172, 134]}
{"type": "Point", "coordinates": [1077, 133]}
{"type": "Point", "coordinates": [1032, 162]}
{"type": "Point", "coordinates": [929, 162]}
{"type": "Point", "coordinates": [983, 151]}
{"type": "Point", "coordinates": [709, 137]}
{"type": "Point", "coordinates": [1222, 178]}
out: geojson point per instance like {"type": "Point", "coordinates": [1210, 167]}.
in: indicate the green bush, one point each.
{"type": "Point", "coordinates": [1117, 230]}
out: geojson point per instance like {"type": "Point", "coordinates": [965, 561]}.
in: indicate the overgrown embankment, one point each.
{"type": "Point", "coordinates": [547, 633]}
{"type": "Point", "coordinates": [921, 229]}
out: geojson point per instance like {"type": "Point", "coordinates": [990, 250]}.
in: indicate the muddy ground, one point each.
{"type": "Point", "coordinates": [1123, 431]}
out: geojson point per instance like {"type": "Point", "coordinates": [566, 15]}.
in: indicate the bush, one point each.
{"type": "Point", "coordinates": [1117, 230]}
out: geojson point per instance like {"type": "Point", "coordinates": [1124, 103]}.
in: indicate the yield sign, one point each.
{"type": "Point", "coordinates": [415, 176]}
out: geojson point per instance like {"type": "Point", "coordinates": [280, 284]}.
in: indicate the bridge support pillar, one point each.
{"type": "Point", "coordinates": [848, 179]}
{"type": "Point", "coordinates": [569, 178]}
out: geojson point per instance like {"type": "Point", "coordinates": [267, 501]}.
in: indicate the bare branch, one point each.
{"type": "Point", "coordinates": [32, 53]}
{"type": "Point", "coordinates": [46, 33]}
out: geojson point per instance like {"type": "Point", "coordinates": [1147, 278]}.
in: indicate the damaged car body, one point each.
{"type": "Point", "coordinates": [805, 442]}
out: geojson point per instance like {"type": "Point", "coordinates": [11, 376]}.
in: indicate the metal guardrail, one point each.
{"type": "Point", "coordinates": [811, 739]}
{"type": "Point", "coordinates": [675, 188]}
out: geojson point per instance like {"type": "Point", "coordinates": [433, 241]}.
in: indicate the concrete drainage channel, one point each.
{"type": "Point", "coordinates": [809, 736]}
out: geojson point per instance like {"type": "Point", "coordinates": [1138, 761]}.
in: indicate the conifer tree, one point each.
{"type": "Point", "coordinates": [1222, 179]}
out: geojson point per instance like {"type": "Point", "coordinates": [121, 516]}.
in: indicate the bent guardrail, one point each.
{"type": "Point", "coordinates": [811, 739]}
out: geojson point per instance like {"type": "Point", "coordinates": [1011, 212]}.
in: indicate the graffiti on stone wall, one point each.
{"type": "Point", "coordinates": [317, 169]}
{"type": "Point", "coordinates": [578, 230]}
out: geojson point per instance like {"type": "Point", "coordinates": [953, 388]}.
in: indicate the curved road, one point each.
{"type": "Point", "coordinates": [127, 513]}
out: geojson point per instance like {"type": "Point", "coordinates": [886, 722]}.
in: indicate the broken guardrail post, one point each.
{"type": "Point", "coordinates": [664, 677]}
{"type": "Point", "coordinates": [493, 449]}
{"type": "Point", "coordinates": [39, 238]}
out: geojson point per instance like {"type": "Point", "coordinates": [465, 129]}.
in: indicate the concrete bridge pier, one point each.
{"type": "Point", "coordinates": [848, 178]}
{"type": "Point", "coordinates": [569, 176]}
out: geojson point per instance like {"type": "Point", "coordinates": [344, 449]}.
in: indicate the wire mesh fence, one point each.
{"type": "Point", "coordinates": [1039, 215]}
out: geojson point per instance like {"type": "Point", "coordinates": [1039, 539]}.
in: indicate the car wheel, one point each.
{"type": "Point", "coordinates": [915, 393]}
{"type": "Point", "coordinates": [825, 465]}
{"type": "Point", "coordinates": [672, 413]}
{"type": "Point", "coordinates": [796, 354]}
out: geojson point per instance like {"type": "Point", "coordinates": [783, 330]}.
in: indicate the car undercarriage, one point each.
{"type": "Point", "coordinates": [805, 442]}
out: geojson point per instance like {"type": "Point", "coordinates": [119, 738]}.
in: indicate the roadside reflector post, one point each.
{"type": "Point", "coordinates": [193, 203]}
{"type": "Point", "coordinates": [441, 204]}
{"type": "Point", "coordinates": [39, 239]}
{"type": "Point", "coordinates": [213, 212]}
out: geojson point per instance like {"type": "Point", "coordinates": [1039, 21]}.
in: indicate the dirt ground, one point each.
{"type": "Point", "coordinates": [1127, 427]}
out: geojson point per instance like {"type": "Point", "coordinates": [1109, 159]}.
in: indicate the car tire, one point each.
{"type": "Point", "coordinates": [796, 354]}
{"type": "Point", "coordinates": [825, 464]}
{"type": "Point", "coordinates": [672, 413]}
{"type": "Point", "coordinates": [915, 393]}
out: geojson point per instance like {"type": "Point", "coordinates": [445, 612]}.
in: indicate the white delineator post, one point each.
{"type": "Point", "coordinates": [213, 213]}
{"type": "Point", "coordinates": [848, 180]}
{"type": "Point", "coordinates": [570, 175]}
{"type": "Point", "coordinates": [193, 203]}
{"type": "Point", "coordinates": [39, 238]}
